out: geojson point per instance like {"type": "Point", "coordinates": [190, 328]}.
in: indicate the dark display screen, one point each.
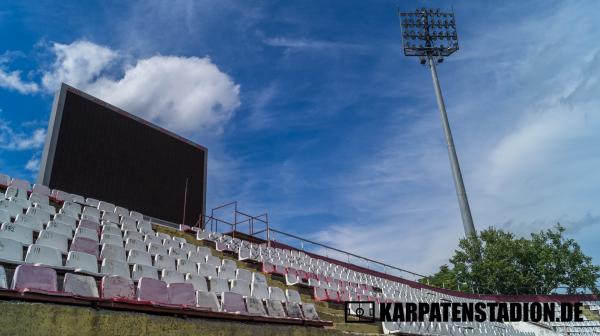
{"type": "Point", "coordinates": [99, 151]}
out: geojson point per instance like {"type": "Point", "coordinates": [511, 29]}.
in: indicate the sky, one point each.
{"type": "Point", "coordinates": [312, 113]}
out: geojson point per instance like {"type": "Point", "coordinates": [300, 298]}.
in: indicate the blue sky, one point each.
{"type": "Point", "coordinates": [311, 112]}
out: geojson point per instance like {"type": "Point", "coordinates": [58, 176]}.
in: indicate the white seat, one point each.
{"type": "Point", "coordinates": [4, 180]}
{"type": "Point", "coordinates": [21, 184]}
{"type": "Point", "coordinates": [11, 250]}
{"type": "Point", "coordinates": [152, 239]}
{"type": "Point", "coordinates": [29, 221]}
{"type": "Point", "coordinates": [66, 219]}
{"type": "Point", "coordinates": [38, 254]}
{"type": "Point", "coordinates": [71, 208]}
{"type": "Point", "coordinates": [45, 207]}
{"type": "Point", "coordinates": [198, 281]}
{"type": "Point", "coordinates": [218, 285]}
{"type": "Point", "coordinates": [177, 253]}
{"type": "Point", "coordinates": [3, 282]}
{"type": "Point", "coordinates": [207, 270]}
{"type": "Point", "coordinates": [82, 262]}
{"type": "Point", "coordinates": [106, 206]}
{"type": "Point", "coordinates": [41, 190]}
{"type": "Point", "coordinates": [36, 198]}
{"type": "Point", "coordinates": [164, 262]}
{"type": "Point", "coordinates": [293, 296]}
{"type": "Point", "coordinates": [276, 293]}
{"type": "Point", "coordinates": [91, 212]}
{"type": "Point", "coordinates": [115, 267]}
{"type": "Point", "coordinates": [275, 308]}
{"type": "Point", "coordinates": [92, 202]}
{"type": "Point", "coordinates": [78, 199]}
{"type": "Point", "coordinates": [212, 260]}
{"type": "Point", "coordinates": [195, 257]}
{"type": "Point", "coordinates": [259, 278]}
{"type": "Point", "coordinates": [255, 306]}
{"type": "Point", "coordinates": [162, 236]}
{"type": "Point", "coordinates": [125, 220]}
{"type": "Point", "coordinates": [229, 263]}
{"type": "Point", "coordinates": [11, 207]}
{"type": "Point", "coordinates": [144, 271]}
{"type": "Point", "coordinates": [110, 217]}
{"type": "Point", "coordinates": [21, 202]}
{"type": "Point", "coordinates": [242, 274]}
{"type": "Point", "coordinates": [208, 301]}
{"type": "Point", "coordinates": [134, 244]}
{"type": "Point", "coordinates": [170, 276]}
{"type": "Point", "coordinates": [136, 215]}
{"type": "Point", "coordinates": [111, 239]}
{"type": "Point", "coordinates": [20, 233]}
{"type": "Point", "coordinates": [53, 240]}
{"type": "Point", "coordinates": [129, 234]}
{"type": "Point", "coordinates": [42, 215]}
{"type": "Point", "coordinates": [310, 312]}
{"type": "Point", "coordinates": [170, 243]}
{"type": "Point", "coordinates": [121, 211]}
{"type": "Point", "coordinates": [5, 216]}
{"type": "Point", "coordinates": [187, 247]}
{"type": "Point", "coordinates": [156, 249]}
{"type": "Point", "coordinates": [60, 228]}
{"type": "Point", "coordinates": [112, 229]}
{"type": "Point", "coordinates": [225, 272]}
{"type": "Point", "coordinates": [241, 287]}
{"type": "Point", "coordinates": [186, 266]}
{"type": "Point", "coordinates": [80, 285]}
{"type": "Point", "coordinates": [139, 257]}
{"type": "Point", "coordinates": [259, 290]}
{"type": "Point", "coordinates": [86, 233]}
{"type": "Point", "coordinates": [115, 252]}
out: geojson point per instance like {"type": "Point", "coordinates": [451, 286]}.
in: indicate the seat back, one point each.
{"type": "Point", "coordinates": [233, 303]}
{"type": "Point", "coordinates": [38, 254]}
{"type": "Point", "coordinates": [152, 290]}
{"type": "Point", "coordinates": [208, 301]}
{"type": "Point", "coordinates": [182, 294]}
{"type": "Point", "coordinates": [11, 250]}
{"type": "Point", "coordinates": [34, 278]}
{"type": "Point", "coordinates": [81, 261]}
{"type": "Point", "coordinates": [80, 285]}
{"type": "Point", "coordinates": [85, 245]}
{"type": "Point", "coordinates": [113, 286]}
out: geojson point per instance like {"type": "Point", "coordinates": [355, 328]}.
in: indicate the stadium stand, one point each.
{"type": "Point", "coordinates": [67, 248]}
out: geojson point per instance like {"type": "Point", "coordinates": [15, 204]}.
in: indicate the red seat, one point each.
{"type": "Point", "coordinates": [233, 303]}
{"type": "Point", "coordinates": [332, 295]}
{"type": "Point", "coordinates": [89, 224]}
{"type": "Point", "coordinates": [302, 275]}
{"type": "Point", "coordinates": [85, 245]}
{"type": "Point", "coordinates": [153, 291]}
{"type": "Point", "coordinates": [279, 269]}
{"type": "Point", "coordinates": [115, 287]}
{"type": "Point", "coordinates": [311, 275]}
{"type": "Point", "coordinates": [320, 294]}
{"type": "Point", "coordinates": [182, 294]}
{"type": "Point", "coordinates": [267, 267]}
{"type": "Point", "coordinates": [39, 279]}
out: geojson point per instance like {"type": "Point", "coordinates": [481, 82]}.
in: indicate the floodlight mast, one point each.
{"type": "Point", "coordinates": [436, 33]}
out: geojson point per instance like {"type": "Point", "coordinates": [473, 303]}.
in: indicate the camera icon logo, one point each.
{"type": "Point", "coordinates": [359, 311]}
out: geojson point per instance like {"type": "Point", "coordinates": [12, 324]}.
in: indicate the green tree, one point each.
{"type": "Point", "coordinates": [495, 261]}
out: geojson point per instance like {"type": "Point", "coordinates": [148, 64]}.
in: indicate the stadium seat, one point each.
{"type": "Point", "coordinates": [91, 212]}
{"type": "Point", "coordinates": [121, 211]}
{"type": "Point", "coordinates": [84, 232]}
{"type": "Point", "coordinates": [111, 239]}
{"type": "Point", "coordinates": [255, 306]}
{"type": "Point", "coordinates": [77, 198]}
{"type": "Point", "coordinates": [186, 266]}
{"type": "Point", "coordinates": [187, 247]}
{"type": "Point", "coordinates": [92, 202]}
{"type": "Point", "coordinates": [207, 301]}
{"type": "Point", "coordinates": [276, 293]}
{"type": "Point", "coordinates": [5, 217]}
{"type": "Point", "coordinates": [139, 257]}
{"type": "Point", "coordinates": [162, 236]}
{"type": "Point", "coordinates": [4, 180]}
{"type": "Point", "coordinates": [53, 240]}
{"type": "Point", "coordinates": [58, 227]}
{"type": "Point", "coordinates": [242, 274]}
{"type": "Point", "coordinates": [152, 239]}
{"type": "Point", "coordinates": [294, 310]}
{"type": "Point", "coordinates": [41, 189]}
{"type": "Point", "coordinates": [218, 285]}
{"type": "Point", "coordinates": [112, 229]}
{"type": "Point", "coordinates": [3, 281]}
{"type": "Point", "coordinates": [293, 296]}
{"type": "Point", "coordinates": [259, 278]}
{"type": "Point", "coordinates": [21, 184]}
{"type": "Point", "coordinates": [198, 281]}
{"type": "Point", "coordinates": [182, 294]}
{"type": "Point", "coordinates": [42, 200]}
{"type": "Point", "coordinates": [170, 243]}
{"type": "Point", "coordinates": [11, 207]}
{"type": "Point", "coordinates": [309, 311]}
{"type": "Point", "coordinates": [114, 267]}
{"type": "Point", "coordinates": [259, 290]}
{"type": "Point", "coordinates": [170, 276]}
{"type": "Point", "coordinates": [43, 255]}
{"type": "Point", "coordinates": [80, 285]}
{"type": "Point", "coordinates": [275, 308]}
{"type": "Point", "coordinates": [32, 278]}
{"type": "Point", "coordinates": [117, 287]}
{"type": "Point", "coordinates": [241, 287]}
{"type": "Point", "coordinates": [128, 234]}
{"type": "Point", "coordinates": [19, 233]}
{"type": "Point", "coordinates": [115, 252]}
{"type": "Point", "coordinates": [134, 244]}
{"type": "Point", "coordinates": [144, 271]}
{"type": "Point", "coordinates": [109, 217]}
{"type": "Point", "coordinates": [71, 208]}
{"type": "Point", "coordinates": [136, 215]}
{"type": "Point", "coordinates": [15, 192]}
{"type": "Point", "coordinates": [82, 262]}
{"type": "Point", "coordinates": [207, 270]}
{"type": "Point", "coordinates": [164, 262]}
{"type": "Point", "coordinates": [11, 251]}
{"type": "Point", "coordinates": [106, 206]}
{"type": "Point", "coordinates": [233, 303]}
{"type": "Point", "coordinates": [156, 249]}
{"type": "Point", "coordinates": [66, 219]}
{"type": "Point", "coordinates": [85, 245]}
{"type": "Point", "coordinates": [152, 290]}
{"type": "Point", "coordinates": [196, 257]}
{"type": "Point", "coordinates": [89, 224]}
{"type": "Point", "coordinates": [126, 220]}
{"type": "Point", "coordinates": [292, 279]}
{"type": "Point", "coordinates": [177, 253]}
{"type": "Point", "coordinates": [29, 221]}
{"type": "Point", "coordinates": [22, 203]}
{"type": "Point", "coordinates": [225, 272]}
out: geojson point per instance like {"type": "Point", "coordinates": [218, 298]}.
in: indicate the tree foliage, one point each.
{"type": "Point", "coordinates": [495, 261]}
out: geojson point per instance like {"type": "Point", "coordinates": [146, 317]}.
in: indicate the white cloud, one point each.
{"type": "Point", "coordinates": [33, 165]}
{"type": "Point", "coordinates": [183, 94]}
{"type": "Point", "coordinates": [18, 141]}
{"type": "Point", "coordinates": [78, 64]}
{"type": "Point", "coordinates": [12, 80]}
{"type": "Point", "coordinates": [311, 44]}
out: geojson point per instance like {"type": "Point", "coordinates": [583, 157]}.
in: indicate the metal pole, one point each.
{"type": "Point", "coordinates": [185, 200]}
{"type": "Point", "coordinates": [463, 202]}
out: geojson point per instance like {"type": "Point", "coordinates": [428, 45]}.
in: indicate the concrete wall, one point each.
{"type": "Point", "coordinates": [24, 318]}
